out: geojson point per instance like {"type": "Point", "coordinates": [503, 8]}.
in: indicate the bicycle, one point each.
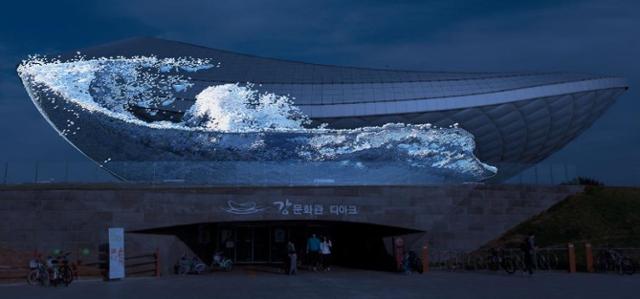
{"type": "Point", "coordinates": [498, 260]}
{"type": "Point", "coordinates": [454, 261]}
{"type": "Point", "coordinates": [38, 274]}
{"type": "Point", "coordinates": [59, 270]}
{"type": "Point", "coordinates": [188, 265]}
{"type": "Point", "coordinates": [612, 260]}
{"type": "Point", "coordinates": [479, 263]}
{"type": "Point", "coordinates": [56, 270]}
{"type": "Point", "coordinates": [221, 262]}
{"type": "Point", "coordinates": [546, 261]}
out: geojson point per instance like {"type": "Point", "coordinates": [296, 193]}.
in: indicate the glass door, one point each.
{"type": "Point", "coordinates": [279, 240]}
{"type": "Point", "coordinates": [244, 244]}
{"type": "Point", "coordinates": [261, 244]}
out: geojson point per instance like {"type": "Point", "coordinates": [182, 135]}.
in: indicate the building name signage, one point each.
{"type": "Point", "coordinates": [288, 207]}
{"type": "Point", "coordinates": [291, 208]}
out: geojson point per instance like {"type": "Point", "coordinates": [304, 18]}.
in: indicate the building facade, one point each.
{"type": "Point", "coordinates": [252, 224]}
{"type": "Point", "coordinates": [516, 119]}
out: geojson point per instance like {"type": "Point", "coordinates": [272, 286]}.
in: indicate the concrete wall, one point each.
{"type": "Point", "coordinates": [72, 217]}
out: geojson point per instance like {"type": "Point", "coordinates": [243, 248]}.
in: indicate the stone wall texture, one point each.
{"type": "Point", "coordinates": [42, 217]}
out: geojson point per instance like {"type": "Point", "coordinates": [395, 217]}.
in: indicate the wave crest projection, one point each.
{"type": "Point", "coordinates": [233, 134]}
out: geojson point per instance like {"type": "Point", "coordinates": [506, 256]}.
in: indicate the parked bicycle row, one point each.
{"type": "Point", "coordinates": [512, 260]}
{"type": "Point", "coordinates": [58, 269]}
{"type": "Point", "coordinates": [495, 259]}
{"type": "Point", "coordinates": [620, 260]}
{"type": "Point", "coordinates": [194, 265]}
{"type": "Point", "coordinates": [54, 271]}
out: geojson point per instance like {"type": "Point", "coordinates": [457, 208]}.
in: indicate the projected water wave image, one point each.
{"type": "Point", "coordinates": [233, 133]}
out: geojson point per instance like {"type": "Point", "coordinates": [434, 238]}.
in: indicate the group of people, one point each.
{"type": "Point", "coordinates": [318, 253]}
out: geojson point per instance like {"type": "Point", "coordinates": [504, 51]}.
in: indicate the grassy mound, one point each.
{"type": "Point", "coordinates": [599, 215]}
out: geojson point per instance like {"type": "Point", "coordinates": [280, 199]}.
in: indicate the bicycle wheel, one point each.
{"type": "Point", "coordinates": [33, 277]}
{"type": "Point", "coordinates": [450, 265]}
{"type": "Point", "coordinates": [553, 261]}
{"type": "Point", "coordinates": [417, 265]}
{"type": "Point", "coordinates": [199, 268]}
{"type": "Point", "coordinates": [520, 264]}
{"type": "Point", "coordinates": [460, 265]}
{"type": "Point", "coordinates": [627, 267]}
{"type": "Point", "coordinates": [600, 264]}
{"type": "Point", "coordinates": [509, 266]}
{"type": "Point", "coordinates": [227, 265]}
{"type": "Point", "coordinates": [66, 275]}
{"type": "Point", "coordinates": [183, 270]}
{"type": "Point", "coordinates": [480, 264]}
{"type": "Point", "coordinates": [493, 264]}
{"type": "Point", "coordinates": [542, 263]}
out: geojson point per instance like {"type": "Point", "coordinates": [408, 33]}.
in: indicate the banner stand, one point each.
{"type": "Point", "coordinates": [116, 253]}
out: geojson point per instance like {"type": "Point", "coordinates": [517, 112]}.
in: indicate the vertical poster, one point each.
{"type": "Point", "coordinates": [116, 253]}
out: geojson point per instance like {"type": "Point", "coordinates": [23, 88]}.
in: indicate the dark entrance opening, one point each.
{"type": "Point", "coordinates": [355, 245]}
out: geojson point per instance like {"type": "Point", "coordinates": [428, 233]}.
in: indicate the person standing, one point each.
{"type": "Point", "coordinates": [313, 251]}
{"type": "Point", "coordinates": [325, 250]}
{"type": "Point", "coordinates": [528, 247]}
{"type": "Point", "coordinates": [293, 258]}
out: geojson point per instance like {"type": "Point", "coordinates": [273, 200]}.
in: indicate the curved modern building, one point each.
{"type": "Point", "coordinates": [264, 187]}
{"type": "Point", "coordinates": [518, 119]}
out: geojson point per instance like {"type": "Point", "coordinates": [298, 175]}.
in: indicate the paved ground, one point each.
{"type": "Point", "coordinates": [252, 283]}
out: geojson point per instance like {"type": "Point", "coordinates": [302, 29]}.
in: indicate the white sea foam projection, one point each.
{"type": "Point", "coordinates": [236, 122]}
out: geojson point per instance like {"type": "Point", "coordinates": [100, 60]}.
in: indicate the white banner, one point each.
{"type": "Point", "coordinates": [116, 253]}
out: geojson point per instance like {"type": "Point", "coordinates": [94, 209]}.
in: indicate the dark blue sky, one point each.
{"type": "Point", "coordinates": [581, 36]}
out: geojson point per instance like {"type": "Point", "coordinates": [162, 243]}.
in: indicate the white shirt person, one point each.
{"type": "Point", "coordinates": [325, 250]}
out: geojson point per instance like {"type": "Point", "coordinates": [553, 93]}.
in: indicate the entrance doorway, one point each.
{"type": "Point", "coordinates": [355, 245]}
{"type": "Point", "coordinates": [256, 243]}
{"type": "Point", "coordinates": [248, 243]}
